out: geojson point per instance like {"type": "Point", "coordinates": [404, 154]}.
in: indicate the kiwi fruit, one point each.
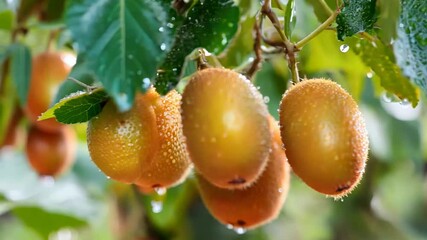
{"type": "Point", "coordinates": [225, 122]}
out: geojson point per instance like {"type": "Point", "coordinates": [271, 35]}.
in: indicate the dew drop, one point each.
{"type": "Point", "coordinates": [108, 177]}
{"type": "Point", "coordinates": [160, 190]}
{"type": "Point", "coordinates": [161, 29]}
{"type": "Point", "coordinates": [156, 206]}
{"type": "Point", "coordinates": [369, 74]}
{"type": "Point", "coordinates": [344, 48]}
{"type": "Point", "coordinates": [47, 181]}
{"type": "Point", "coordinates": [280, 190]}
{"type": "Point", "coordinates": [240, 230]}
{"type": "Point", "coordinates": [405, 102]}
{"type": "Point", "coordinates": [229, 226]}
{"type": "Point", "coordinates": [266, 99]}
{"type": "Point", "coordinates": [170, 25]}
{"type": "Point", "coordinates": [163, 46]}
{"type": "Point", "coordinates": [387, 97]}
{"type": "Point", "coordinates": [146, 83]}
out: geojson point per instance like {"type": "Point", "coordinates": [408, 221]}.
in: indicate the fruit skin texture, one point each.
{"type": "Point", "coordinates": [145, 145]}
{"type": "Point", "coordinates": [324, 135]}
{"type": "Point", "coordinates": [49, 69]}
{"type": "Point", "coordinates": [51, 153]}
{"type": "Point", "coordinates": [170, 163]}
{"type": "Point", "coordinates": [257, 204]}
{"type": "Point", "coordinates": [225, 123]}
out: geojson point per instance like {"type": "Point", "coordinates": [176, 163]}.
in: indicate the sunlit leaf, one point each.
{"type": "Point", "coordinates": [77, 108]}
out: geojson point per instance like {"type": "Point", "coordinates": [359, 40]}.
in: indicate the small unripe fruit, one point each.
{"type": "Point", "coordinates": [144, 145]}
{"type": "Point", "coordinates": [51, 153]}
{"type": "Point", "coordinates": [256, 205]}
{"type": "Point", "coordinates": [324, 135]}
{"type": "Point", "coordinates": [49, 69]}
{"type": "Point", "coordinates": [226, 127]}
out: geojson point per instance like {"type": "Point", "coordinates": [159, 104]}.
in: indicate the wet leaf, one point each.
{"type": "Point", "coordinates": [411, 45]}
{"type": "Point", "coordinates": [210, 24]}
{"type": "Point", "coordinates": [77, 108]}
{"type": "Point", "coordinates": [377, 56]}
{"type": "Point", "coordinates": [125, 42]}
{"type": "Point", "coordinates": [356, 16]}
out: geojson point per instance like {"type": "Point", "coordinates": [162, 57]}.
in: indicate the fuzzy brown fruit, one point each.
{"type": "Point", "coordinates": [51, 153]}
{"type": "Point", "coordinates": [324, 135]}
{"type": "Point", "coordinates": [226, 127]}
{"type": "Point", "coordinates": [49, 69]}
{"type": "Point", "coordinates": [145, 145]}
{"type": "Point", "coordinates": [256, 205]}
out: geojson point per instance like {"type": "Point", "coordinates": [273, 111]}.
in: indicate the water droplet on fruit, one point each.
{"type": "Point", "coordinates": [156, 206]}
{"type": "Point", "coordinates": [108, 177]}
{"type": "Point", "coordinates": [146, 83]}
{"type": "Point", "coordinates": [47, 181]}
{"type": "Point", "coordinates": [240, 230]}
{"type": "Point", "coordinates": [160, 190]}
{"type": "Point", "coordinates": [344, 48]}
{"type": "Point", "coordinates": [266, 99]}
{"type": "Point", "coordinates": [229, 226]}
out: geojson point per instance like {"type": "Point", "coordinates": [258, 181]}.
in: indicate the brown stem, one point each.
{"type": "Point", "coordinates": [202, 63]}
{"type": "Point", "coordinates": [257, 49]}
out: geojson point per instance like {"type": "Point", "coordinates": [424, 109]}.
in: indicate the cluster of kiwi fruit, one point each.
{"type": "Point", "coordinates": [242, 158]}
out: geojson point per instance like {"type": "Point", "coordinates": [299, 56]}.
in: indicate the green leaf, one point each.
{"type": "Point", "coordinates": [329, 59]}
{"type": "Point", "coordinates": [389, 11]}
{"type": "Point", "coordinates": [411, 45]}
{"type": "Point", "coordinates": [124, 41]}
{"type": "Point", "coordinates": [210, 24]}
{"type": "Point", "coordinates": [356, 16]}
{"type": "Point", "coordinates": [45, 222]}
{"type": "Point", "coordinates": [290, 18]}
{"type": "Point", "coordinates": [77, 108]}
{"type": "Point", "coordinates": [7, 18]}
{"type": "Point", "coordinates": [20, 67]}
{"type": "Point", "coordinates": [376, 55]}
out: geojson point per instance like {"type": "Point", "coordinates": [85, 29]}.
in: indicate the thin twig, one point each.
{"type": "Point", "coordinates": [257, 48]}
{"type": "Point", "coordinates": [266, 10]}
{"type": "Point", "coordinates": [89, 89]}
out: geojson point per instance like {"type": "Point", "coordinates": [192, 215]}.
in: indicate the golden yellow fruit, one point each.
{"type": "Point", "coordinates": [324, 135]}
{"type": "Point", "coordinates": [226, 127]}
{"type": "Point", "coordinates": [51, 153]}
{"type": "Point", "coordinates": [256, 205]}
{"type": "Point", "coordinates": [170, 163]}
{"type": "Point", "coordinates": [145, 145]}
